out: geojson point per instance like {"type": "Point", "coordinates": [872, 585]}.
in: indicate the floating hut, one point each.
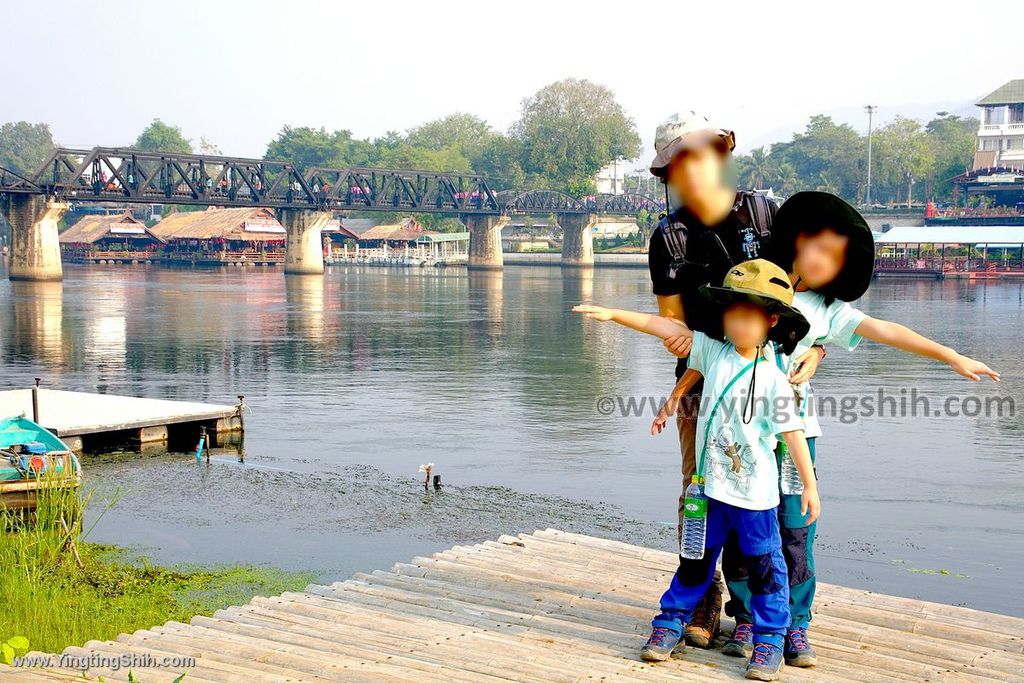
{"type": "Point", "coordinates": [116, 238]}
{"type": "Point", "coordinates": [951, 251]}
{"type": "Point", "coordinates": [223, 236]}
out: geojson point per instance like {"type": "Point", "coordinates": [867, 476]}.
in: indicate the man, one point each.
{"type": "Point", "coordinates": [713, 228]}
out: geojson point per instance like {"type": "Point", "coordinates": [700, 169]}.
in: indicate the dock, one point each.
{"type": "Point", "coordinates": [80, 418]}
{"type": "Point", "coordinates": [547, 607]}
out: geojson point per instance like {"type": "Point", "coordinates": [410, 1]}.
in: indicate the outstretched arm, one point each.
{"type": "Point", "coordinates": [809, 500]}
{"type": "Point", "coordinates": [904, 338]}
{"type": "Point", "coordinates": [654, 325]}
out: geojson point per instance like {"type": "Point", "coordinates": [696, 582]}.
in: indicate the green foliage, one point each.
{"type": "Point", "coordinates": [55, 602]}
{"type": "Point", "coordinates": [16, 646]}
{"type": "Point", "coordinates": [162, 137]}
{"type": "Point", "coordinates": [569, 130]}
{"type": "Point", "coordinates": [908, 159]}
{"type": "Point", "coordinates": [24, 145]}
{"type": "Point", "coordinates": [309, 147]}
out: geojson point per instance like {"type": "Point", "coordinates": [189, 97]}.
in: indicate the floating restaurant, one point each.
{"type": "Point", "coordinates": [951, 251]}
{"type": "Point", "coordinates": [116, 238]}
{"type": "Point", "coordinates": [245, 236]}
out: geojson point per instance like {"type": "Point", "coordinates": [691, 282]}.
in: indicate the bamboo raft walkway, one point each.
{"type": "Point", "coordinates": [546, 607]}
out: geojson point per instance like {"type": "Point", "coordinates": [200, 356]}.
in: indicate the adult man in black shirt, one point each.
{"type": "Point", "coordinates": [714, 228]}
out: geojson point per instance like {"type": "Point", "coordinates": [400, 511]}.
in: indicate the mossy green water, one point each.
{"type": "Point", "coordinates": [53, 600]}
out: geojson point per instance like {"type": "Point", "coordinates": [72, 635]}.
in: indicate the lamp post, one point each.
{"type": "Point", "coordinates": [870, 109]}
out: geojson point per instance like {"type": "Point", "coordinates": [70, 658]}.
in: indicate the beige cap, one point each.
{"type": "Point", "coordinates": [679, 133]}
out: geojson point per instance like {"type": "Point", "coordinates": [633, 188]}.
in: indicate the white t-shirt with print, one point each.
{"type": "Point", "coordinates": [834, 324]}
{"type": "Point", "coordinates": [739, 464]}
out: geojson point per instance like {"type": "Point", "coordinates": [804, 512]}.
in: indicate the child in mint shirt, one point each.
{"type": "Point", "coordinates": [753, 408]}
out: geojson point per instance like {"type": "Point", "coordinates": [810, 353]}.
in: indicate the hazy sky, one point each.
{"type": "Point", "coordinates": [235, 72]}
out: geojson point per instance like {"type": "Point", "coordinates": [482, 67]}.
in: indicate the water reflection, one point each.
{"type": "Point", "coordinates": [488, 376]}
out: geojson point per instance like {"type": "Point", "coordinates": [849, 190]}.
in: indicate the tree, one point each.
{"type": "Point", "coordinates": [837, 151]}
{"type": "Point", "coordinates": [466, 134]}
{"type": "Point", "coordinates": [161, 137]}
{"type": "Point", "coordinates": [905, 155]}
{"type": "Point", "coordinates": [24, 146]}
{"type": "Point", "coordinates": [756, 171]}
{"type": "Point", "coordinates": [500, 161]}
{"type": "Point", "coordinates": [953, 139]}
{"type": "Point", "coordinates": [569, 130]}
{"type": "Point", "coordinates": [308, 147]}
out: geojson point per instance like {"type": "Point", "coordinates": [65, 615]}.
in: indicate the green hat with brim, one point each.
{"type": "Point", "coordinates": [764, 284]}
{"type": "Point", "coordinates": [812, 211]}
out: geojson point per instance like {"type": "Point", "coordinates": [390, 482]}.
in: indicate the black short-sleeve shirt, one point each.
{"type": "Point", "coordinates": [707, 259]}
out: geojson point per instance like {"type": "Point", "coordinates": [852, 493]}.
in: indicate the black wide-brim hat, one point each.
{"type": "Point", "coordinates": [767, 285]}
{"type": "Point", "coordinates": [810, 211]}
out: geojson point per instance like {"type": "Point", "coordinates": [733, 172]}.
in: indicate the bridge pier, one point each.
{"type": "Point", "coordinates": [304, 247]}
{"type": "Point", "coordinates": [35, 251]}
{"type": "Point", "coordinates": [578, 239]}
{"type": "Point", "coordinates": [485, 241]}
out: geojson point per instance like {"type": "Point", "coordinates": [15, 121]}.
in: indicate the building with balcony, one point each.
{"type": "Point", "coordinates": [1001, 134]}
{"type": "Point", "coordinates": [994, 187]}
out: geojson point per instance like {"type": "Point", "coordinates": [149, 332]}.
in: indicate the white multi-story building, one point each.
{"type": "Point", "coordinates": [1001, 133]}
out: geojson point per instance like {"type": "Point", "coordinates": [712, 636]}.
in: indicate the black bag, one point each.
{"type": "Point", "coordinates": [754, 213]}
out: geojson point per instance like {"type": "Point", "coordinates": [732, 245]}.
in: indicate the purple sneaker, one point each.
{"type": "Point", "coordinates": [798, 650]}
{"type": "Point", "coordinates": [765, 662]}
{"type": "Point", "coordinates": [660, 645]}
{"type": "Point", "coordinates": [741, 643]}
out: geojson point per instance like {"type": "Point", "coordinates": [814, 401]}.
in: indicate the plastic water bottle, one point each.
{"type": "Point", "coordinates": [789, 476]}
{"type": "Point", "coordinates": [695, 517]}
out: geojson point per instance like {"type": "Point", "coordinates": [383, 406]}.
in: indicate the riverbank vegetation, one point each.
{"type": "Point", "coordinates": [60, 590]}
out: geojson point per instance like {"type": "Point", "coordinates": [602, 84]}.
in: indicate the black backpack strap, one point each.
{"type": "Point", "coordinates": [675, 234]}
{"type": "Point", "coordinates": [760, 214]}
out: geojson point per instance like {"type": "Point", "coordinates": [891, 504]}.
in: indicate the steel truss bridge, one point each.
{"type": "Point", "coordinates": [113, 174]}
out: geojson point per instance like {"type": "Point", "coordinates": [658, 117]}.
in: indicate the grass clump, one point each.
{"type": "Point", "coordinates": [59, 590]}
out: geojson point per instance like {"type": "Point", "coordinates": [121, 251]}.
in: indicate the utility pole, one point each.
{"type": "Point", "coordinates": [870, 109]}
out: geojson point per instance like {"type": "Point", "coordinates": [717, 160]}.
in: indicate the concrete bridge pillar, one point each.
{"type": "Point", "coordinates": [304, 247]}
{"type": "Point", "coordinates": [485, 241]}
{"type": "Point", "coordinates": [578, 239]}
{"type": "Point", "coordinates": [35, 251]}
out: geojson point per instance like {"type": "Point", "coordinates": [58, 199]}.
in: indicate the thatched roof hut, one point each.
{"type": "Point", "coordinates": [95, 229]}
{"type": "Point", "coordinates": [229, 225]}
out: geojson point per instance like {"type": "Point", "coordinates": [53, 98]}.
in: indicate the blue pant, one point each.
{"type": "Point", "coordinates": [798, 550]}
{"type": "Point", "coordinates": [757, 533]}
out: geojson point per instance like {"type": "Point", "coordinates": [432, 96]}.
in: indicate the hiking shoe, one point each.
{"type": "Point", "coordinates": [765, 662]}
{"type": "Point", "coordinates": [706, 619]}
{"type": "Point", "coordinates": [660, 645]}
{"type": "Point", "coordinates": [798, 650]}
{"type": "Point", "coordinates": [741, 644]}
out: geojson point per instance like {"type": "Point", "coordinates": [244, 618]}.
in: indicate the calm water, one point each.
{"type": "Point", "coordinates": [358, 377]}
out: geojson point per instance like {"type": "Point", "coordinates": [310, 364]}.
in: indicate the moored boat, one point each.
{"type": "Point", "coordinates": [31, 458]}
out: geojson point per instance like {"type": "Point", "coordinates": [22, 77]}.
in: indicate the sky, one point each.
{"type": "Point", "coordinates": [236, 72]}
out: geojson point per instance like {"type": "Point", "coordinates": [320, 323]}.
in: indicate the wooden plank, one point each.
{"type": "Point", "coordinates": [549, 607]}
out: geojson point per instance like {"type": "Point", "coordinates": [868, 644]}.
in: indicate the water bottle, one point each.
{"type": "Point", "coordinates": [789, 476]}
{"type": "Point", "coordinates": [695, 517]}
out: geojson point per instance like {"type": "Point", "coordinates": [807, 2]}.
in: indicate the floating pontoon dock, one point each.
{"type": "Point", "coordinates": [77, 416]}
{"type": "Point", "coordinates": [546, 607]}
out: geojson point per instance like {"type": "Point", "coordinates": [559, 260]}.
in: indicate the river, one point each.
{"type": "Point", "coordinates": [358, 377]}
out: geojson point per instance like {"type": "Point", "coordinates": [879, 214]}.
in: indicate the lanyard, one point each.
{"type": "Point", "coordinates": [714, 409]}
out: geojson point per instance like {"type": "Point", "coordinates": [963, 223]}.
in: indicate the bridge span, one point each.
{"type": "Point", "coordinates": [304, 199]}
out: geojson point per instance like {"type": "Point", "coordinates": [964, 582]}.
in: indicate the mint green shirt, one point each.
{"type": "Point", "coordinates": [739, 463]}
{"type": "Point", "coordinates": [833, 324]}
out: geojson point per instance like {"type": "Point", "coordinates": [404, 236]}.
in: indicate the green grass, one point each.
{"type": "Point", "coordinates": [53, 602]}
